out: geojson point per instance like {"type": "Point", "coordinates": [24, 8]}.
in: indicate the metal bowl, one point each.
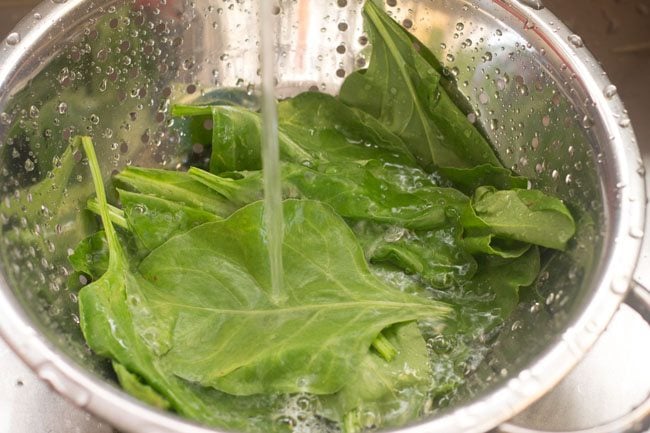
{"type": "Point", "coordinates": [112, 70]}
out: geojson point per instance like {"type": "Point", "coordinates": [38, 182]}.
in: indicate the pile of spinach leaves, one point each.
{"type": "Point", "coordinates": [405, 242]}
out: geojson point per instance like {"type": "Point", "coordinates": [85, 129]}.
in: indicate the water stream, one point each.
{"type": "Point", "coordinates": [273, 218]}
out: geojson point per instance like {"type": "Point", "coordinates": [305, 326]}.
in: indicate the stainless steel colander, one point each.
{"type": "Point", "coordinates": [112, 69]}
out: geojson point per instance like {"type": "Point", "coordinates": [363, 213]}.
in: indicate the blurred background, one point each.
{"type": "Point", "coordinates": [618, 34]}
{"type": "Point", "coordinates": [616, 31]}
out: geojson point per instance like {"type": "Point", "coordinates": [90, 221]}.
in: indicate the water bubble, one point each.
{"type": "Point", "coordinates": [460, 26]}
{"type": "Point", "coordinates": [29, 165]}
{"type": "Point", "coordinates": [13, 38]}
{"type": "Point", "coordinates": [34, 112]}
{"type": "Point", "coordinates": [576, 41]}
{"type": "Point", "coordinates": [610, 91]}
{"type": "Point", "coordinates": [450, 57]}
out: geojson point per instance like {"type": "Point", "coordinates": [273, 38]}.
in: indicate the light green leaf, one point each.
{"type": "Point", "coordinates": [394, 392]}
{"type": "Point", "coordinates": [213, 284]}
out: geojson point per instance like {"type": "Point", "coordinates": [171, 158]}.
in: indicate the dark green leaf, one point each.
{"type": "Point", "coordinates": [437, 257]}
{"type": "Point", "coordinates": [469, 179]}
{"type": "Point", "coordinates": [401, 89]}
{"type": "Point", "coordinates": [497, 282]}
{"type": "Point", "coordinates": [489, 244]}
{"type": "Point", "coordinates": [525, 216]}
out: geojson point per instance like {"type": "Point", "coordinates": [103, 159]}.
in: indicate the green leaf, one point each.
{"type": "Point", "coordinates": [374, 191]}
{"type": "Point", "coordinates": [401, 89]}
{"type": "Point", "coordinates": [497, 282]}
{"type": "Point", "coordinates": [489, 244]}
{"type": "Point", "coordinates": [313, 127]}
{"type": "Point", "coordinates": [332, 131]}
{"type": "Point", "coordinates": [174, 186]}
{"type": "Point", "coordinates": [436, 256]}
{"type": "Point", "coordinates": [394, 392]}
{"type": "Point", "coordinates": [213, 284]}
{"type": "Point", "coordinates": [91, 255]}
{"type": "Point", "coordinates": [153, 220]}
{"type": "Point", "coordinates": [108, 308]}
{"type": "Point", "coordinates": [525, 216]}
{"type": "Point", "coordinates": [134, 386]}
{"type": "Point", "coordinates": [381, 192]}
{"type": "Point", "coordinates": [469, 179]}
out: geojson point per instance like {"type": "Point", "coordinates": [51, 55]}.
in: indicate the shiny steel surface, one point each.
{"type": "Point", "coordinates": [537, 92]}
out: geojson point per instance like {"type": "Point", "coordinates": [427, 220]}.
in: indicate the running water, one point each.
{"type": "Point", "coordinates": [273, 218]}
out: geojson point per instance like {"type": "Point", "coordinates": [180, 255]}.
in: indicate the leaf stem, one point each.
{"type": "Point", "coordinates": [190, 110]}
{"type": "Point", "coordinates": [351, 422]}
{"type": "Point", "coordinates": [384, 347]}
{"type": "Point", "coordinates": [95, 171]}
{"type": "Point", "coordinates": [116, 214]}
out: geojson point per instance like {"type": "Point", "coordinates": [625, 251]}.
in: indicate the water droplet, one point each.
{"type": "Point", "coordinates": [494, 124]}
{"type": "Point", "coordinates": [450, 57]}
{"type": "Point", "coordinates": [587, 122]}
{"type": "Point", "coordinates": [34, 112]}
{"type": "Point", "coordinates": [624, 122]}
{"type": "Point", "coordinates": [460, 26]}
{"type": "Point", "coordinates": [13, 38]}
{"type": "Point", "coordinates": [29, 165]}
{"type": "Point", "coordinates": [610, 91]}
{"type": "Point", "coordinates": [63, 108]}
{"type": "Point", "coordinates": [37, 16]}
{"type": "Point", "coordinates": [576, 41]}
{"type": "Point", "coordinates": [59, 1]}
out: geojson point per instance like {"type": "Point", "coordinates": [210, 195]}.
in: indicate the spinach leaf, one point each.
{"type": "Point", "coordinates": [312, 127]}
{"type": "Point", "coordinates": [109, 309]}
{"type": "Point", "coordinates": [490, 244]}
{"type": "Point", "coordinates": [468, 180]}
{"type": "Point", "coordinates": [174, 186]}
{"type": "Point", "coordinates": [525, 216]}
{"type": "Point", "coordinates": [371, 192]}
{"type": "Point", "coordinates": [435, 256]}
{"type": "Point", "coordinates": [332, 131]}
{"type": "Point", "coordinates": [91, 255]}
{"type": "Point", "coordinates": [213, 283]}
{"type": "Point", "coordinates": [401, 89]}
{"type": "Point", "coordinates": [393, 392]}
{"type": "Point", "coordinates": [497, 282]}
{"type": "Point", "coordinates": [153, 220]}
{"type": "Point", "coordinates": [134, 386]}
{"type": "Point", "coordinates": [380, 192]}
